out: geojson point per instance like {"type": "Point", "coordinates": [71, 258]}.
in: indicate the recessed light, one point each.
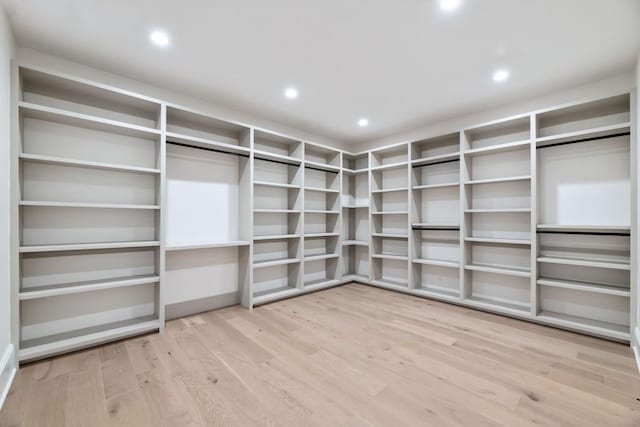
{"type": "Point", "coordinates": [450, 5]}
{"type": "Point", "coordinates": [501, 75]}
{"type": "Point", "coordinates": [291, 93]}
{"type": "Point", "coordinates": [159, 38]}
{"type": "Point", "coordinates": [363, 122]}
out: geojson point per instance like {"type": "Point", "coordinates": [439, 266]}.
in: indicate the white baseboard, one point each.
{"type": "Point", "coordinates": [7, 372]}
{"type": "Point", "coordinates": [636, 348]}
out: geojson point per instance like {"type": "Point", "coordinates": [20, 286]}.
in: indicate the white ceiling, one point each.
{"type": "Point", "coordinates": [400, 63]}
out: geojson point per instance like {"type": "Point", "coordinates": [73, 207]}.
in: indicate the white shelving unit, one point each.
{"type": "Point", "coordinates": [132, 209]}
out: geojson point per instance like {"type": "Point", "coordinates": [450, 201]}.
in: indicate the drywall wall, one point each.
{"type": "Point", "coordinates": [7, 361]}
{"type": "Point", "coordinates": [623, 82]}
{"type": "Point", "coordinates": [635, 301]}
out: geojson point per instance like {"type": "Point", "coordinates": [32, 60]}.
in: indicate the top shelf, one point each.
{"type": "Point", "coordinates": [587, 229]}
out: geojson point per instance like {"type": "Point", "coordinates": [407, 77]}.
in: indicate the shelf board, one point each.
{"type": "Point", "coordinates": [276, 237]}
{"type": "Point", "coordinates": [437, 292]}
{"type": "Point", "coordinates": [499, 180]}
{"type": "Point", "coordinates": [355, 276]}
{"type": "Point", "coordinates": [390, 166]}
{"type": "Point", "coordinates": [207, 143]}
{"type": "Point", "coordinates": [354, 171]}
{"type": "Point", "coordinates": [323, 166]}
{"type": "Point", "coordinates": [355, 206]}
{"type": "Point", "coordinates": [317, 211]}
{"type": "Point", "coordinates": [265, 155]}
{"type": "Point", "coordinates": [390, 235]}
{"type": "Point", "coordinates": [275, 184]}
{"type": "Point", "coordinates": [86, 205]}
{"type": "Point", "coordinates": [596, 132]}
{"type": "Point", "coordinates": [318, 284]}
{"type": "Point", "coordinates": [390, 190]}
{"type": "Point", "coordinates": [87, 246]}
{"type": "Point", "coordinates": [321, 190]}
{"type": "Point", "coordinates": [272, 263]}
{"type": "Point", "coordinates": [499, 269]}
{"type": "Point", "coordinates": [585, 263]}
{"type": "Point", "coordinates": [391, 256]}
{"type": "Point", "coordinates": [436, 159]}
{"type": "Point", "coordinates": [61, 161]}
{"type": "Point", "coordinates": [429, 226]}
{"type": "Point", "coordinates": [355, 243]}
{"type": "Point", "coordinates": [585, 286]}
{"type": "Point", "coordinates": [57, 115]}
{"type": "Point", "coordinates": [437, 262]}
{"type": "Point", "coordinates": [276, 211]}
{"type": "Point", "coordinates": [86, 337]}
{"type": "Point", "coordinates": [391, 284]}
{"type": "Point", "coordinates": [596, 229]}
{"type": "Point", "coordinates": [498, 241]}
{"type": "Point", "coordinates": [274, 295]}
{"type": "Point", "coordinates": [391, 213]}
{"type": "Point", "coordinates": [498, 148]}
{"type": "Point", "coordinates": [620, 332]}
{"type": "Point", "coordinates": [320, 257]}
{"type": "Point", "coordinates": [430, 186]}
{"type": "Point", "coordinates": [87, 286]}
{"type": "Point", "coordinates": [499, 305]}
{"type": "Point", "coordinates": [317, 235]}
{"type": "Point", "coordinates": [488, 211]}
{"type": "Point", "coordinates": [230, 244]}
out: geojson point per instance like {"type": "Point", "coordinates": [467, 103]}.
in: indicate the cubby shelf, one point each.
{"type": "Point", "coordinates": [390, 213]}
{"type": "Point", "coordinates": [207, 143]}
{"type": "Point", "coordinates": [321, 166]}
{"type": "Point", "coordinates": [499, 269]}
{"type": "Point", "coordinates": [498, 241]}
{"type": "Point", "coordinates": [441, 158]}
{"type": "Point", "coordinates": [391, 256]}
{"type": "Point", "coordinates": [391, 284]}
{"type": "Point", "coordinates": [318, 211]}
{"type": "Point", "coordinates": [429, 226]}
{"type": "Point", "coordinates": [437, 262]}
{"type": "Point", "coordinates": [595, 229]}
{"type": "Point", "coordinates": [274, 295]}
{"type": "Point", "coordinates": [274, 184]}
{"type": "Point", "coordinates": [499, 180]}
{"type": "Point", "coordinates": [272, 263]}
{"type": "Point", "coordinates": [265, 155]}
{"type": "Point", "coordinates": [504, 306]}
{"type": "Point", "coordinates": [198, 246]}
{"type": "Point", "coordinates": [431, 186]}
{"type": "Point", "coordinates": [355, 206]}
{"type": "Point", "coordinates": [606, 329]}
{"type": "Point", "coordinates": [316, 235]}
{"type": "Point", "coordinates": [390, 235]}
{"type": "Point", "coordinates": [488, 211]}
{"type": "Point", "coordinates": [86, 205]}
{"type": "Point", "coordinates": [585, 286]}
{"type": "Point", "coordinates": [498, 148]}
{"type": "Point", "coordinates": [88, 286]}
{"type": "Point", "coordinates": [390, 166]}
{"type": "Point", "coordinates": [318, 284]}
{"type": "Point", "coordinates": [322, 190]}
{"type": "Point", "coordinates": [276, 237]}
{"type": "Point", "coordinates": [354, 171]}
{"type": "Point", "coordinates": [597, 132]}
{"type": "Point", "coordinates": [320, 257]}
{"type": "Point", "coordinates": [355, 243]}
{"type": "Point", "coordinates": [271, 211]}
{"type": "Point", "coordinates": [585, 263]}
{"type": "Point", "coordinates": [390, 190]}
{"type": "Point", "coordinates": [354, 277]}
{"type": "Point", "coordinates": [87, 246]}
{"type": "Point", "coordinates": [61, 161]}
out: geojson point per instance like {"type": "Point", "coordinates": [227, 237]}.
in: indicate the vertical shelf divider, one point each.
{"type": "Point", "coordinates": [534, 217]}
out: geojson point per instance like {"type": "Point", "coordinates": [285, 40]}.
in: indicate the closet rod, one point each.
{"type": "Point", "coordinates": [435, 163]}
{"type": "Point", "coordinates": [320, 169]}
{"type": "Point", "coordinates": [435, 229]}
{"type": "Point", "coordinates": [585, 233]}
{"type": "Point", "coordinates": [179, 144]}
{"type": "Point", "coordinates": [595, 138]}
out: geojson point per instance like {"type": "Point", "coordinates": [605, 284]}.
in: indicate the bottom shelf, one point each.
{"type": "Point", "coordinates": [612, 330]}
{"type": "Point", "coordinates": [439, 292]}
{"type": "Point", "coordinates": [270, 295]}
{"type": "Point", "coordinates": [321, 283]}
{"type": "Point", "coordinates": [355, 276]}
{"type": "Point", "coordinates": [81, 338]}
{"type": "Point", "coordinates": [391, 283]}
{"type": "Point", "coordinates": [498, 304]}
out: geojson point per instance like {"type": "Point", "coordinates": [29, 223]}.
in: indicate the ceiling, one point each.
{"type": "Point", "coordinates": [400, 63]}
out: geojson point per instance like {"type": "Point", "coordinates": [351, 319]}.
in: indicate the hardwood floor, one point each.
{"type": "Point", "coordinates": [352, 355]}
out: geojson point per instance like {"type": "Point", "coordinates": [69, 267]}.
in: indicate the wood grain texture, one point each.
{"type": "Point", "coordinates": [352, 355]}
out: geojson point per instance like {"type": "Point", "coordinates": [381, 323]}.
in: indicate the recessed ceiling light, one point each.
{"type": "Point", "coordinates": [501, 75]}
{"type": "Point", "coordinates": [363, 122]}
{"type": "Point", "coordinates": [159, 38]}
{"type": "Point", "coordinates": [291, 93]}
{"type": "Point", "coordinates": [450, 5]}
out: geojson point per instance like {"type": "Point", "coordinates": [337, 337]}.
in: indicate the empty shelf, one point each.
{"type": "Point", "coordinates": [274, 184]}
{"type": "Point", "coordinates": [596, 132]}
{"type": "Point", "coordinates": [437, 262]}
{"type": "Point", "coordinates": [230, 244]}
{"type": "Point", "coordinates": [265, 155]}
{"type": "Point", "coordinates": [319, 257]}
{"type": "Point", "coordinates": [355, 206]}
{"type": "Point", "coordinates": [355, 243]}
{"type": "Point", "coordinates": [454, 185]}
{"type": "Point", "coordinates": [437, 292]}
{"type": "Point", "coordinates": [585, 286]}
{"type": "Point", "coordinates": [488, 211]}
{"type": "Point", "coordinates": [390, 166]}
{"type": "Point", "coordinates": [87, 246]}
{"type": "Point", "coordinates": [441, 158]}
{"type": "Point", "coordinates": [276, 237]}
{"type": "Point", "coordinates": [390, 283]}
{"type": "Point", "coordinates": [612, 330]}
{"type": "Point", "coordinates": [322, 190]}
{"type": "Point", "coordinates": [499, 269]}
{"type": "Point", "coordinates": [272, 263]}
{"type": "Point", "coordinates": [427, 226]}
{"type": "Point", "coordinates": [586, 263]}
{"type": "Point", "coordinates": [390, 235]}
{"type": "Point", "coordinates": [498, 148]}
{"type": "Point", "coordinates": [498, 241]}
{"type": "Point", "coordinates": [390, 190]}
{"type": "Point", "coordinates": [499, 180]}
{"type": "Point", "coordinates": [60, 161]}
{"type": "Point", "coordinates": [354, 171]}
{"type": "Point", "coordinates": [317, 235]}
{"type": "Point", "coordinates": [59, 343]}
{"type": "Point", "coordinates": [274, 295]}
{"type": "Point", "coordinates": [206, 143]}
{"type": "Point", "coordinates": [276, 211]}
{"type": "Point", "coordinates": [355, 276]}
{"type": "Point", "coordinates": [590, 229]}
{"type": "Point", "coordinates": [320, 284]}
{"type": "Point", "coordinates": [317, 211]}
{"type": "Point", "coordinates": [391, 213]}
{"type": "Point", "coordinates": [86, 205]}
{"type": "Point", "coordinates": [391, 256]}
{"type": "Point", "coordinates": [322, 166]}
{"type": "Point", "coordinates": [88, 286]}
{"type": "Point", "coordinates": [499, 305]}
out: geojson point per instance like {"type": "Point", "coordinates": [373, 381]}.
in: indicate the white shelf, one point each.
{"type": "Point", "coordinates": [390, 166]}
{"type": "Point", "coordinates": [275, 295]}
{"type": "Point", "coordinates": [498, 241]}
{"type": "Point", "coordinates": [499, 180]}
{"type": "Point", "coordinates": [499, 269]}
{"type": "Point", "coordinates": [321, 190]}
{"type": "Point", "coordinates": [231, 244]}
{"type": "Point", "coordinates": [596, 132]}
{"type": "Point", "coordinates": [390, 190]}
{"type": "Point", "coordinates": [355, 206]}
{"type": "Point", "coordinates": [586, 263]}
{"type": "Point", "coordinates": [88, 286]}
{"type": "Point", "coordinates": [323, 166]}
{"type": "Point", "coordinates": [585, 287]}
{"type": "Point", "coordinates": [391, 213]}
{"type": "Point", "coordinates": [86, 205]}
{"type": "Point", "coordinates": [274, 184]}
{"type": "Point", "coordinates": [320, 257]}
{"type": "Point", "coordinates": [316, 285]}
{"type": "Point", "coordinates": [355, 243]}
{"type": "Point", "coordinates": [436, 159]}
{"type": "Point", "coordinates": [440, 293]}
{"type": "Point", "coordinates": [57, 115]}
{"type": "Point", "coordinates": [314, 235]}
{"type": "Point", "coordinates": [206, 143]}
{"type": "Point", "coordinates": [390, 235]}
{"type": "Point", "coordinates": [437, 262]}
{"type": "Point", "coordinates": [60, 343]}
{"type": "Point", "coordinates": [488, 211]}
{"type": "Point", "coordinates": [354, 171]}
{"type": "Point", "coordinates": [276, 211]}
{"type": "Point", "coordinates": [514, 307]}
{"type": "Point", "coordinates": [276, 237]}
{"type": "Point", "coordinates": [60, 161]}
{"type": "Point", "coordinates": [498, 148]}
{"type": "Point", "coordinates": [272, 263]}
{"type": "Point", "coordinates": [87, 246]}
{"type": "Point", "coordinates": [318, 211]}
{"type": "Point", "coordinates": [430, 186]}
{"type": "Point", "coordinates": [391, 256]}
{"type": "Point", "coordinates": [265, 155]}
{"type": "Point", "coordinates": [391, 284]}
{"type": "Point", "coordinates": [355, 277]}
{"type": "Point", "coordinates": [600, 229]}
{"type": "Point", "coordinates": [611, 330]}
{"type": "Point", "coordinates": [429, 226]}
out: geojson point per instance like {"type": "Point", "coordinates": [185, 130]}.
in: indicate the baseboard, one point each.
{"type": "Point", "coordinates": [636, 348]}
{"type": "Point", "coordinates": [187, 308]}
{"type": "Point", "coordinates": [7, 373]}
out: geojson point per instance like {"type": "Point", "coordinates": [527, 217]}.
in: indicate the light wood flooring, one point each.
{"type": "Point", "coordinates": [352, 355]}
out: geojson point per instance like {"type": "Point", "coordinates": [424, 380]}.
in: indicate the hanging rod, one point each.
{"type": "Point", "coordinates": [435, 163]}
{"type": "Point", "coordinates": [281, 162]}
{"type": "Point", "coordinates": [595, 138]}
{"type": "Point", "coordinates": [179, 144]}
{"type": "Point", "coordinates": [585, 233]}
{"type": "Point", "coordinates": [435, 228]}
{"type": "Point", "coordinates": [320, 169]}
